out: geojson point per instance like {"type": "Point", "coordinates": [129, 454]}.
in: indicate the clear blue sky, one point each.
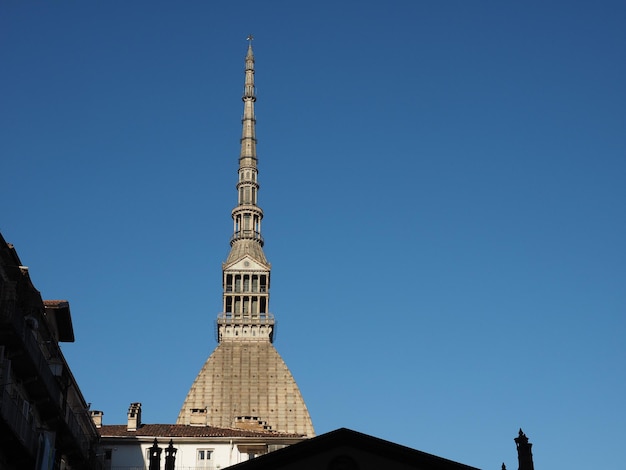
{"type": "Point", "coordinates": [444, 195]}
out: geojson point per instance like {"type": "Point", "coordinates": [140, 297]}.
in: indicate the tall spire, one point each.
{"type": "Point", "coordinates": [246, 271]}
{"type": "Point", "coordinates": [247, 214]}
{"type": "Point", "coordinates": [245, 382]}
{"type": "Point", "coordinates": [248, 138]}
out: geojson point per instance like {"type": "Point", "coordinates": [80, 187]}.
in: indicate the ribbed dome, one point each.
{"type": "Point", "coordinates": [243, 379]}
{"type": "Point", "coordinates": [242, 248]}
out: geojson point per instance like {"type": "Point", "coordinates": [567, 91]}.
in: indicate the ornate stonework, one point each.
{"type": "Point", "coordinates": [245, 382]}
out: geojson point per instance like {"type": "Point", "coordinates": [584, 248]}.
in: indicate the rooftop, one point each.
{"type": "Point", "coordinates": [183, 430]}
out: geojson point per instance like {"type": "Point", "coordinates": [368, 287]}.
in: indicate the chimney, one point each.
{"type": "Point", "coordinates": [524, 452]}
{"type": "Point", "coordinates": [96, 417]}
{"type": "Point", "coordinates": [134, 417]}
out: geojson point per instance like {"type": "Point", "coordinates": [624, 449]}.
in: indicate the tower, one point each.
{"type": "Point", "coordinates": [244, 382]}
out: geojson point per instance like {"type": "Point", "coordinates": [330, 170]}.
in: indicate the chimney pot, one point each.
{"type": "Point", "coordinates": [134, 416]}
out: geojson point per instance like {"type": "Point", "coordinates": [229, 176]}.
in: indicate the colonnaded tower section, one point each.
{"type": "Point", "coordinates": [245, 382]}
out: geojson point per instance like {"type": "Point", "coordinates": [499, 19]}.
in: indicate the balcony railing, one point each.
{"type": "Point", "coordinates": [33, 363]}
{"type": "Point", "coordinates": [247, 234]}
{"type": "Point", "coordinates": [225, 318]}
{"type": "Point", "coordinates": [78, 433]}
{"type": "Point", "coordinates": [18, 423]}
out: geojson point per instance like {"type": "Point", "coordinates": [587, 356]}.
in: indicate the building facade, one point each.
{"type": "Point", "coordinates": [131, 446]}
{"type": "Point", "coordinates": [44, 419]}
{"type": "Point", "coordinates": [245, 378]}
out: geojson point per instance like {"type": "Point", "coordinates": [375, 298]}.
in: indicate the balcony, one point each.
{"type": "Point", "coordinates": [247, 235]}
{"type": "Point", "coordinates": [230, 318]}
{"type": "Point", "coordinates": [32, 364]}
{"type": "Point", "coordinates": [77, 430]}
{"type": "Point", "coordinates": [29, 363]}
{"type": "Point", "coordinates": [20, 425]}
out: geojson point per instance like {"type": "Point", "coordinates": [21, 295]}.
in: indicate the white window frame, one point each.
{"type": "Point", "coordinates": [204, 457]}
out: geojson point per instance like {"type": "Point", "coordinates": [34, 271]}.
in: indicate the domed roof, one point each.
{"type": "Point", "coordinates": [244, 380]}
{"type": "Point", "coordinates": [242, 248]}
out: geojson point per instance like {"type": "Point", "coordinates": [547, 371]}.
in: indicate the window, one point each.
{"type": "Point", "coordinates": [203, 458]}
{"type": "Point", "coordinates": [204, 454]}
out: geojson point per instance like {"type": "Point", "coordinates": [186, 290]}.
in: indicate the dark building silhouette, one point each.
{"type": "Point", "coordinates": [155, 456]}
{"type": "Point", "coordinates": [44, 419]}
{"type": "Point", "coordinates": [524, 452]}
{"type": "Point", "coordinates": [170, 456]}
{"type": "Point", "coordinates": [344, 449]}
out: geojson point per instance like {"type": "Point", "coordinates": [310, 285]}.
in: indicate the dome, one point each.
{"type": "Point", "coordinates": [247, 380]}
